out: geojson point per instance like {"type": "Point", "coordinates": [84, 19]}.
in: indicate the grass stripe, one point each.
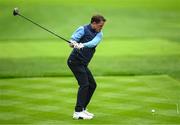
{"type": "Point", "coordinates": [129, 100]}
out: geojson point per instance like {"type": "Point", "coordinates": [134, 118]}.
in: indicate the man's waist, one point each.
{"type": "Point", "coordinates": [84, 55]}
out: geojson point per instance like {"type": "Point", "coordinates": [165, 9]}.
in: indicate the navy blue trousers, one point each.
{"type": "Point", "coordinates": [86, 82]}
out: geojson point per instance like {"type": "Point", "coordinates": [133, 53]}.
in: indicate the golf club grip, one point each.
{"type": "Point", "coordinates": [44, 28]}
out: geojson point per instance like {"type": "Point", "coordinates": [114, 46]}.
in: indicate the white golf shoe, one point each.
{"type": "Point", "coordinates": [88, 113]}
{"type": "Point", "coordinates": [81, 115]}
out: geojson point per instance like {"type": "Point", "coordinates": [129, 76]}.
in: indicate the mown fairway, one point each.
{"type": "Point", "coordinates": [117, 100]}
{"type": "Point", "coordinates": [137, 65]}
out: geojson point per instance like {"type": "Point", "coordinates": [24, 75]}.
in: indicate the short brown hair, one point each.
{"type": "Point", "coordinates": [97, 19]}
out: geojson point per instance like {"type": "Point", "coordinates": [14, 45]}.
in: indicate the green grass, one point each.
{"type": "Point", "coordinates": [137, 66]}
{"type": "Point", "coordinates": [125, 18]}
{"type": "Point", "coordinates": [113, 57]}
{"type": "Point", "coordinates": [140, 37]}
{"type": "Point", "coordinates": [118, 100]}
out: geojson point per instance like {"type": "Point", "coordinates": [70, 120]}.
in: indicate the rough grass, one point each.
{"type": "Point", "coordinates": [122, 57]}
{"type": "Point", "coordinates": [129, 19]}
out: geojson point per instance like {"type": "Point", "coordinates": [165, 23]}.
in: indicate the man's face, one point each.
{"type": "Point", "coordinates": [98, 26]}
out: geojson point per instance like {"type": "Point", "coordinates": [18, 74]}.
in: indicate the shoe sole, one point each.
{"type": "Point", "coordinates": [81, 118]}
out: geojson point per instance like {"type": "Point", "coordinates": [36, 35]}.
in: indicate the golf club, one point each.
{"type": "Point", "coordinates": [16, 12]}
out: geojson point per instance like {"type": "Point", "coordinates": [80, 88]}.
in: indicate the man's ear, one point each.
{"type": "Point", "coordinates": [94, 23]}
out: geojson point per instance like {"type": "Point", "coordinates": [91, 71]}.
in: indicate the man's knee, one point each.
{"type": "Point", "coordinates": [93, 85]}
{"type": "Point", "coordinates": [83, 85]}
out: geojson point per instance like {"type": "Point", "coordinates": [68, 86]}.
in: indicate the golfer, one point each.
{"type": "Point", "coordinates": [84, 42]}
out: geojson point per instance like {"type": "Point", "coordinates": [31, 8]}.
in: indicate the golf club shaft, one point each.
{"type": "Point", "coordinates": [44, 28]}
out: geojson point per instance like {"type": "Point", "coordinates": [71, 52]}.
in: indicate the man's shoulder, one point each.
{"type": "Point", "coordinates": [80, 28]}
{"type": "Point", "coordinates": [100, 33]}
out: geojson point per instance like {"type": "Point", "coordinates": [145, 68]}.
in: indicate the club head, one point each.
{"type": "Point", "coordinates": [16, 11]}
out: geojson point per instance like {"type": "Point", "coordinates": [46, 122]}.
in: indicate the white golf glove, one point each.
{"type": "Point", "coordinates": [72, 43]}
{"type": "Point", "coordinates": [78, 46]}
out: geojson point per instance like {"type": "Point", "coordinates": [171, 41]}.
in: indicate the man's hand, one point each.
{"type": "Point", "coordinates": [78, 46]}
{"type": "Point", "coordinates": [73, 43]}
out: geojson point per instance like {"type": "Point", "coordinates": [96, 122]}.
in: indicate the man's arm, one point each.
{"type": "Point", "coordinates": [94, 42]}
{"type": "Point", "coordinates": [76, 36]}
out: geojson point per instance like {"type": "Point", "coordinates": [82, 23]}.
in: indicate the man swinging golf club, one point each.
{"type": "Point", "coordinates": [84, 41]}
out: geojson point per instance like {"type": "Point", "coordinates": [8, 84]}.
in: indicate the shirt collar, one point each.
{"type": "Point", "coordinates": [89, 26]}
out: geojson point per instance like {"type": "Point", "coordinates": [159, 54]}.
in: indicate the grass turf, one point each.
{"type": "Point", "coordinates": [140, 38]}
{"type": "Point", "coordinates": [118, 100]}
{"type": "Point", "coordinates": [113, 57]}
{"type": "Point", "coordinates": [125, 18]}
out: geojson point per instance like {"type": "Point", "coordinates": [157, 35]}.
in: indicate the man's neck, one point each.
{"type": "Point", "coordinates": [92, 27]}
